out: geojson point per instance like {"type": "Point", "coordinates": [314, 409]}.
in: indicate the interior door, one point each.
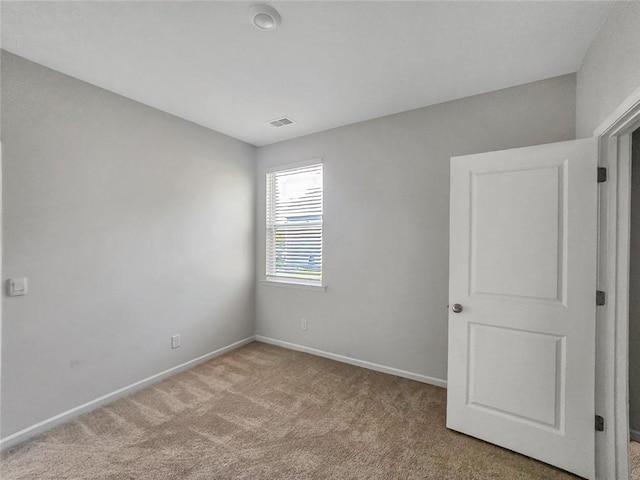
{"type": "Point", "coordinates": [522, 290]}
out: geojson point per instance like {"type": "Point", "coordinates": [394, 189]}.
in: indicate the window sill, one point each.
{"type": "Point", "coordinates": [293, 283]}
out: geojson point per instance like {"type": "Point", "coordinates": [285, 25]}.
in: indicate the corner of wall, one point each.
{"type": "Point", "coordinates": [610, 70]}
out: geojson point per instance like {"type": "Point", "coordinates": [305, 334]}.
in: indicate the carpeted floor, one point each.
{"type": "Point", "coordinates": [634, 454]}
{"type": "Point", "coordinates": [262, 412]}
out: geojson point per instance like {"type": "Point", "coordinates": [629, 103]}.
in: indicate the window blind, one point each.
{"type": "Point", "coordinates": [294, 223]}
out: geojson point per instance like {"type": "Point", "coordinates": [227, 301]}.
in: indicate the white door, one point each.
{"type": "Point", "coordinates": [523, 245]}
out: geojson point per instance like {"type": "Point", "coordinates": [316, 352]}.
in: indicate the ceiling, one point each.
{"type": "Point", "coordinates": [328, 64]}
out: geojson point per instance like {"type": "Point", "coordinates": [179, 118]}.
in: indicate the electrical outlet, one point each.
{"type": "Point", "coordinates": [175, 341]}
{"type": "Point", "coordinates": [303, 324]}
{"type": "Point", "coordinates": [17, 286]}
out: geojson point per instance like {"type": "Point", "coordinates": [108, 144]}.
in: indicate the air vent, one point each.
{"type": "Point", "coordinates": [281, 122]}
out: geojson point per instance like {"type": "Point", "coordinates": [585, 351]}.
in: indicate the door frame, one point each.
{"type": "Point", "coordinates": [612, 324]}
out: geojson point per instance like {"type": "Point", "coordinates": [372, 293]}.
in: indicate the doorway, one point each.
{"type": "Point", "coordinates": [634, 310]}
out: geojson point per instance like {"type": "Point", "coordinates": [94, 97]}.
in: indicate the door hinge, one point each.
{"type": "Point", "coordinates": [602, 174]}
{"type": "Point", "coordinates": [599, 423]}
{"type": "Point", "coordinates": [601, 298]}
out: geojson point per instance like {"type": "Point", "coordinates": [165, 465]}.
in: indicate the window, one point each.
{"type": "Point", "coordinates": [294, 224]}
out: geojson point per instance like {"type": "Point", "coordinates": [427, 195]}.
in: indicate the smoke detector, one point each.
{"type": "Point", "coordinates": [264, 17]}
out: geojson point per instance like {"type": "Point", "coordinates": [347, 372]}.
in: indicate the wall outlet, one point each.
{"type": "Point", "coordinates": [303, 324]}
{"type": "Point", "coordinates": [17, 286]}
{"type": "Point", "coordinates": [175, 341]}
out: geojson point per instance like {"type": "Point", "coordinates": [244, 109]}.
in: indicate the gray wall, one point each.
{"type": "Point", "coordinates": [610, 71]}
{"type": "Point", "coordinates": [386, 239]}
{"type": "Point", "coordinates": [634, 292]}
{"type": "Point", "coordinates": [131, 224]}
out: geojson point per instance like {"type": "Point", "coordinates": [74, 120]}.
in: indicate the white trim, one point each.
{"type": "Point", "coordinates": [293, 283]}
{"type": "Point", "coordinates": [634, 435]}
{"type": "Point", "coordinates": [620, 312]}
{"type": "Point", "coordinates": [292, 165]}
{"type": "Point", "coordinates": [1, 296]}
{"type": "Point", "coordinates": [614, 118]}
{"type": "Point", "coordinates": [64, 417]}
{"type": "Point", "coordinates": [612, 450]}
{"type": "Point", "coordinates": [354, 361]}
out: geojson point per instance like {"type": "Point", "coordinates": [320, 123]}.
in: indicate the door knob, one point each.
{"type": "Point", "coordinates": [456, 308]}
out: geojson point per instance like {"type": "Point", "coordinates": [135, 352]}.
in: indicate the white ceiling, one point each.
{"type": "Point", "coordinates": [329, 64]}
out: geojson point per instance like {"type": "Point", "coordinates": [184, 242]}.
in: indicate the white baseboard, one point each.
{"type": "Point", "coordinates": [635, 435]}
{"type": "Point", "coordinates": [354, 361]}
{"type": "Point", "coordinates": [64, 417]}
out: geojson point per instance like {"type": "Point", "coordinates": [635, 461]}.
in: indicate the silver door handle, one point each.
{"type": "Point", "coordinates": [456, 308]}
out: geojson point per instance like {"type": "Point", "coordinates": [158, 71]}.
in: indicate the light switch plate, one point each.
{"type": "Point", "coordinates": [17, 286]}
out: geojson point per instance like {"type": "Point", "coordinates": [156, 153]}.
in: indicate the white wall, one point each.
{"type": "Point", "coordinates": [634, 292]}
{"type": "Point", "coordinates": [131, 225]}
{"type": "Point", "coordinates": [609, 74]}
{"type": "Point", "coordinates": [610, 70]}
{"type": "Point", "coordinates": [387, 222]}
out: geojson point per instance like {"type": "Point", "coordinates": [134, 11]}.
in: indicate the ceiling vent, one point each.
{"type": "Point", "coordinates": [281, 122]}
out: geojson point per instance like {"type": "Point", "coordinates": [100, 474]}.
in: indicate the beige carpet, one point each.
{"type": "Point", "coordinates": [634, 454]}
{"type": "Point", "coordinates": [262, 412]}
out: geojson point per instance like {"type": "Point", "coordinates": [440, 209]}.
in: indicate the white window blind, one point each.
{"type": "Point", "coordinates": [294, 223]}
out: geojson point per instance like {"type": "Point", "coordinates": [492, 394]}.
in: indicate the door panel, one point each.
{"type": "Point", "coordinates": [538, 400]}
{"type": "Point", "coordinates": [507, 264]}
{"type": "Point", "coordinates": [523, 267]}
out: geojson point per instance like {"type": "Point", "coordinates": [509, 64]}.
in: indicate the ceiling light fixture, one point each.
{"type": "Point", "coordinates": [264, 17]}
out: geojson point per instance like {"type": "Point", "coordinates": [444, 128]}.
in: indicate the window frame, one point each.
{"type": "Point", "coordinates": [282, 280]}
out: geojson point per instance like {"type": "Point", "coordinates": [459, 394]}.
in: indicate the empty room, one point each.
{"type": "Point", "coordinates": [319, 240]}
